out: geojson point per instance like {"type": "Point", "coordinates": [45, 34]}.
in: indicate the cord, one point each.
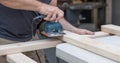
{"type": "Point", "coordinates": [34, 22]}
{"type": "Point", "coordinates": [38, 56]}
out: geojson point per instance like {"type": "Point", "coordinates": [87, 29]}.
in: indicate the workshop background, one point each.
{"type": "Point", "coordinates": [88, 14]}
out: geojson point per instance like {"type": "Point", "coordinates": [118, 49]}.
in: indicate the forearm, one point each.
{"type": "Point", "coordinates": [53, 3]}
{"type": "Point", "coordinates": [66, 25]}
{"type": "Point", "coordinates": [31, 5]}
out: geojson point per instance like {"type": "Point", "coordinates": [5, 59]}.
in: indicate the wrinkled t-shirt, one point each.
{"type": "Point", "coordinates": [17, 25]}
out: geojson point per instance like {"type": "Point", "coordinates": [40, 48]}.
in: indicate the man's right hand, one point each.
{"type": "Point", "coordinates": [53, 13]}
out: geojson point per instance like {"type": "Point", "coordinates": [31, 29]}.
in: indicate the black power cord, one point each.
{"type": "Point", "coordinates": [38, 56]}
{"type": "Point", "coordinates": [58, 61]}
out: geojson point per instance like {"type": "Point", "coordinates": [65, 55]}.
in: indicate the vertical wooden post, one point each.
{"type": "Point", "coordinates": [109, 12]}
{"type": "Point", "coordinates": [95, 17]}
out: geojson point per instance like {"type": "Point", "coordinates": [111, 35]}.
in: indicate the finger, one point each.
{"type": "Point", "coordinates": [49, 15]}
{"type": "Point", "coordinates": [54, 17]}
{"type": "Point", "coordinates": [81, 32]}
{"type": "Point", "coordinates": [89, 32]}
{"type": "Point", "coordinates": [85, 32]}
{"type": "Point", "coordinates": [56, 20]}
{"type": "Point", "coordinates": [60, 15]}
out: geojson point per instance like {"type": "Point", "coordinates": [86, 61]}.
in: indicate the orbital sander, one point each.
{"type": "Point", "coordinates": [50, 29]}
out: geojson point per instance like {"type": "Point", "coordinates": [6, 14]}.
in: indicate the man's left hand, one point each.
{"type": "Point", "coordinates": [83, 32]}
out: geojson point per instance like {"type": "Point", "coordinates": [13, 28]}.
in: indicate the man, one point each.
{"type": "Point", "coordinates": [16, 19]}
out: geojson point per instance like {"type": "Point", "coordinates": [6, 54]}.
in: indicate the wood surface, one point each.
{"type": "Point", "coordinates": [19, 58]}
{"type": "Point", "coordinates": [106, 50]}
{"type": "Point", "coordinates": [28, 46]}
{"type": "Point", "coordinates": [113, 29]}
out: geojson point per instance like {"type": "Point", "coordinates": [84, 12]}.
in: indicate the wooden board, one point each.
{"type": "Point", "coordinates": [67, 52]}
{"type": "Point", "coordinates": [106, 50]}
{"type": "Point", "coordinates": [113, 29]}
{"type": "Point", "coordinates": [19, 58]}
{"type": "Point", "coordinates": [28, 46]}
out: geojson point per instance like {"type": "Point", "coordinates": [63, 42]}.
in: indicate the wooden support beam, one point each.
{"type": "Point", "coordinates": [19, 58]}
{"type": "Point", "coordinates": [95, 17]}
{"type": "Point", "coordinates": [113, 29]}
{"type": "Point", "coordinates": [109, 11]}
{"type": "Point", "coordinates": [28, 46]}
{"type": "Point", "coordinates": [106, 50]}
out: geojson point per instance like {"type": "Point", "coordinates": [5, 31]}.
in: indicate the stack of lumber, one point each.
{"type": "Point", "coordinates": [14, 51]}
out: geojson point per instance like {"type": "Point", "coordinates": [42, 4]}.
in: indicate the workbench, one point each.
{"type": "Point", "coordinates": [73, 54]}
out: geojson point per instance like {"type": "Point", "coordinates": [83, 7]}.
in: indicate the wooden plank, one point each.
{"type": "Point", "coordinates": [113, 29]}
{"type": "Point", "coordinates": [109, 12]}
{"type": "Point", "coordinates": [106, 50]}
{"type": "Point", "coordinates": [28, 46]}
{"type": "Point", "coordinates": [96, 35]}
{"type": "Point", "coordinates": [19, 58]}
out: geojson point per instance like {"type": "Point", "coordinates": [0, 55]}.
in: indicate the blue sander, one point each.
{"type": "Point", "coordinates": [50, 28]}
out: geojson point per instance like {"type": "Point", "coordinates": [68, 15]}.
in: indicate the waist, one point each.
{"type": "Point", "coordinates": [15, 38]}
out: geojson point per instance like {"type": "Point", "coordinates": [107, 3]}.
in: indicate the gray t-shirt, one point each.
{"type": "Point", "coordinates": [17, 25]}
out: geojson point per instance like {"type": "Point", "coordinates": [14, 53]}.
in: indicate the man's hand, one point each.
{"type": "Point", "coordinates": [83, 31]}
{"type": "Point", "coordinates": [53, 13]}
{"type": "Point", "coordinates": [69, 27]}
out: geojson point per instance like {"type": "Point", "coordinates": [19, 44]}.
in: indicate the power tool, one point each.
{"type": "Point", "coordinates": [50, 28]}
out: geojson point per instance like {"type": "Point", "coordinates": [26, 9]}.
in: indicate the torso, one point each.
{"type": "Point", "coordinates": [16, 24]}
